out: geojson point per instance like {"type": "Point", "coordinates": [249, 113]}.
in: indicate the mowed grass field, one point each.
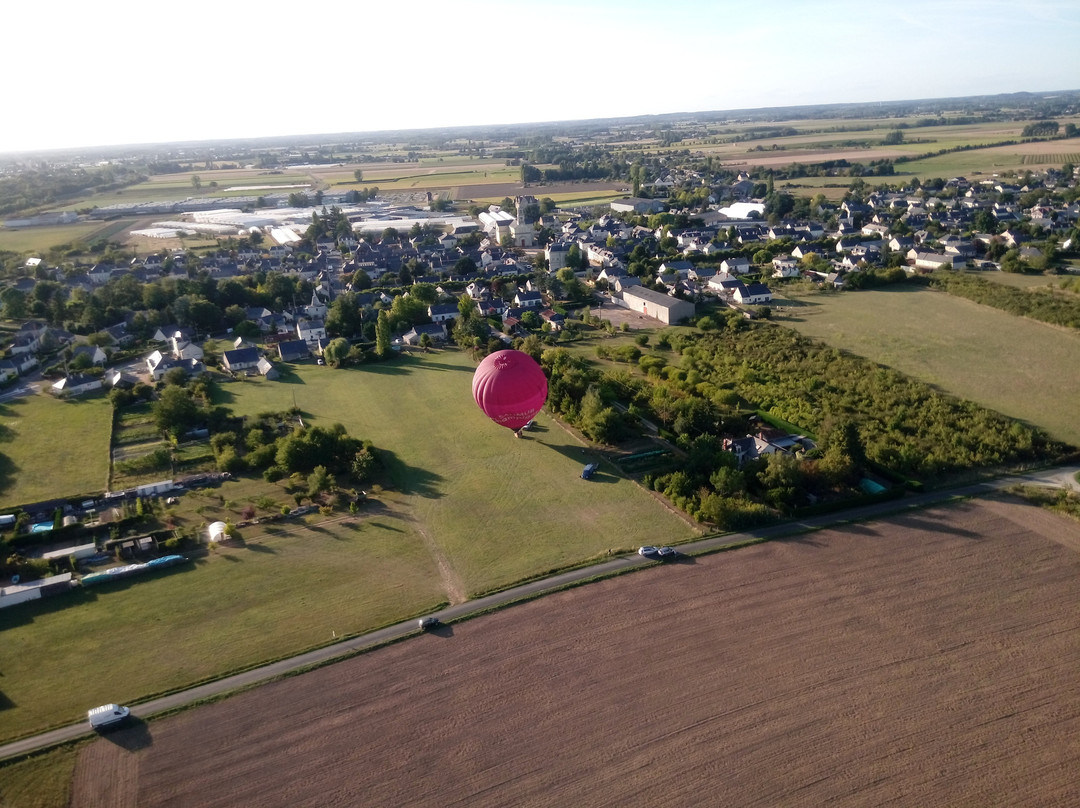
{"type": "Point", "coordinates": [51, 448]}
{"type": "Point", "coordinates": [1019, 367]}
{"type": "Point", "coordinates": [470, 509]}
{"type": "Point", "coordinates": [40, 239]}
{"type": "Point", "coordinates": [500, 508]}
{"type": "Point", "coordinates": [289, 588]}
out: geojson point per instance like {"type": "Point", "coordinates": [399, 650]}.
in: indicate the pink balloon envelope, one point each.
{"type": "Point", "coordinates": [510, 387]}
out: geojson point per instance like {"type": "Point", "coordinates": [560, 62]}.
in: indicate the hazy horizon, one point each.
{"type": "Point", "coordinates": [215, 72]}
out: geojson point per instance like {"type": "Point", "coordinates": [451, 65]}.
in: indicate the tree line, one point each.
{"type": "Point", "coordinates": [703, 387]}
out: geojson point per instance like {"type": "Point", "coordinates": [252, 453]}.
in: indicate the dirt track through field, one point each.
{"type": "Point", "coordinates": [930, 659]}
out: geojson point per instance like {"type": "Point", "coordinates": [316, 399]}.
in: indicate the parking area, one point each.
{"type": "Point", "coordinates": [617, 315]}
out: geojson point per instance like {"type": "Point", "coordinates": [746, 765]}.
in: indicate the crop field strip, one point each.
{"type": "Point", "coordinates": [1052, 159]}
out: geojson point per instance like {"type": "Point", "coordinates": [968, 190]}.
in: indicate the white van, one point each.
{"type": "Point", "coordinates": [107, 715]}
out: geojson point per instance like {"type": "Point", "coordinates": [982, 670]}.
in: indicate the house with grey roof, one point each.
{"type": "Point", "coordinates": [294, 350]}
{"type": "Point", "coordinates": [240, 359]}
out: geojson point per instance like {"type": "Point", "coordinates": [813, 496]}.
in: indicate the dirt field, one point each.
{"type": "Point", "coordinates": [618, 315]}
{"type": "Point", "coordinates": [928, 660]}
{"type": "Point", "coordinates": [539, 191]}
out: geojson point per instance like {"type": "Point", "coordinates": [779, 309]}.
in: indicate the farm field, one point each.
{"type": "Point", "coordinates": [285, 588]}
{"type": "Point", "coordinates": [925, 659]}
{"type": "Point", "coordinates": [167, 187]}
{"type": "Point", "coordinates": [559, 191]}
{"type": "Point", "coordinates": [51, 448]}
{"type": "Point", "coordinates": [496, 506]}
{"type": "Point", "coordinates": [994, 160]}
{"type": "Point", "coordinates": [472, 510]}
{"type": "Point", "coordinates": [40, 239]}
{"type": "Point", "coordinates": [1016, 366]}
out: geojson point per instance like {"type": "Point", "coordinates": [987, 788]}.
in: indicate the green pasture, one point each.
{"type": "Point", "coordinates": [985, 161]}
{"type": "Point", "coordinates": [502, 509]}
{"type": "Point", "coordinates": [53, 448]}
{"type": "Point", "coordinates": [41, 239]}
{"type": "Point", "coordinates": [287, 588]}
{"type": "Point", "coordinates": [1016, 366]}
{"type": "Point", "coordinates": [1019, 280]}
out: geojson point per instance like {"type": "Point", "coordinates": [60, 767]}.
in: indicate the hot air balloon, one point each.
{"type": "Point", "coordinates": [510, 388]}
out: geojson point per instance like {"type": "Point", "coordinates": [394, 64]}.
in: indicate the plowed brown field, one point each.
{"type": "Point", "coordinates": [930, 659]}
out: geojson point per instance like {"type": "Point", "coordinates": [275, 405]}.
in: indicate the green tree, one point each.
{"type": "Point", "coordinates": [383, 347]}
{"type": "Point", "coordinates": [843, 455]}
{"type": "Point", "coordinates": [574, 258]}
{"type": "Point", "coordinates": [344, 317]}
{"type": "Point", "coordinates": [465, 266]}
{"type": "Point", "coordinates": [175, 412]}
{"type": "Point", "coordinates": [361, 280]}
{"type": "Point", "coordinates": [358, 175]}
{"type": "Point", "coordinates": [336, 352]}
{"type": "Point", "coordinates": [14, 303]}
{"type": "Point", "coordinates": [466, 306]}
{"type": "Point", "coordinates": [320, 480]}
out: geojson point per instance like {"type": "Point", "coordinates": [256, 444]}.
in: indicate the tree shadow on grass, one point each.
{"type": "Point", "coordinates": [290, 379]}
{"type": "Point", "coordinates": [8, 472]}
{"type": "Point", "coordinates": [384, 369]}
{"type": "Point", "coordinates": [410, 479]}
{"type": "Point", "coordinates": [223, 395]}
{"type": "Point", "coordinates": [5, 702]}
{"type": "Point", "coordinates": [385, 526]}
{"type": "Point", "coordinates": [443, 367]}
{"type": "Point", "coordinates": [26, 613]}
{"type": "Point", "coordinates": [259, 548]}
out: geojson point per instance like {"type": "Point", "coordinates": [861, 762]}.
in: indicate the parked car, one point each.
{"type": "Point", "coordinates": [589, 470]}
{"type": "Point", "coordinates": [648, 551]}
{"type": "Point", "coordinates": [428, 623]}
{"type": "Point", "coordinates": [667, 552]}
{"type": "Point", "coordinates": [106, 716]}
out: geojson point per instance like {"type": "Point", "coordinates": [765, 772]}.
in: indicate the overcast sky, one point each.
{"type": "Point", "coordinates": [119, 71]}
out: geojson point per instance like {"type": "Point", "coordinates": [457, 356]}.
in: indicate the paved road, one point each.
{"type": "Point", "coordinates": [1061, 476]}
